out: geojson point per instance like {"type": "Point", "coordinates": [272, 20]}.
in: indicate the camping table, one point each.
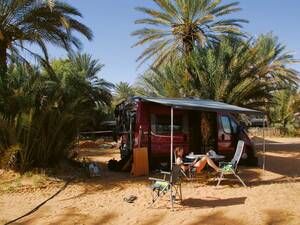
{"type": "Point", "coordinates": [193, 157]}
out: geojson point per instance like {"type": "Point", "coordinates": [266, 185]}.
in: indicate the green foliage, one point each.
{"type": "Point", "coordinates": [48, 108]}
{"type": "Point", "coordinates": [26, 22]}
{"type": "Point", "coordinates": [233, 71]}
{"type": "Point", "coordinates": [123, 91]}
{"type": "Point", "coordinates": [284, 112]}
{"type": "Point", "coordinates": [176, 27]}
{"type": "Point", "coordinates": [165, 81]}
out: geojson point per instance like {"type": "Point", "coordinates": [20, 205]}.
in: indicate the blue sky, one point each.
{"type": "Point", "coordinates": [112, 21]}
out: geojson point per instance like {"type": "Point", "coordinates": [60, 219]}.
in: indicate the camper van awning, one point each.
{"type": "Point", "coordinates": [200, 104]}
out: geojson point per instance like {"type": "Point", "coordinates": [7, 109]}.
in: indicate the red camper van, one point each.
{"type": "Point", "coordinates": [198, 126]}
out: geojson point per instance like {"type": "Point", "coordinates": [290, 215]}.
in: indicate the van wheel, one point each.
{"type": "Point", "coordinates": [249, 158]}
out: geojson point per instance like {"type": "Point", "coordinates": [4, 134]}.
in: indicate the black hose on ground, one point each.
{"type": "Point", "coordinates": [41, 204]}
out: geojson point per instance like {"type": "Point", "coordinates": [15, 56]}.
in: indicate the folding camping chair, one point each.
{"type": "Point", "coordinates": [187, 176]}
{"type": "Point", "coordinates": [231, 167]}
{"type": "Point", "coordinates": [172, 185]}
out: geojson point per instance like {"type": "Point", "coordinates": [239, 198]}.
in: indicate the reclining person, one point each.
{"type": "Point", "coordinates": [197, 164]}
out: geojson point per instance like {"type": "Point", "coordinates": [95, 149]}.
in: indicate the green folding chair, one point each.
{"type": "Point", "coordinates": [230, 168]}
{"type": "Point", "coordinates": [169, 184]}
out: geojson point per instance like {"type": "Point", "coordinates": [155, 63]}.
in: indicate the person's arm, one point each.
{"type": "Point", "coordinates": [179, 162]}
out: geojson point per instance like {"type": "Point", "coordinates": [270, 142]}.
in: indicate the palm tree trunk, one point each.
{"type": "Point", "coordinates": [3, 58]}
{"type": "Point", "coordinates": [188, 76]}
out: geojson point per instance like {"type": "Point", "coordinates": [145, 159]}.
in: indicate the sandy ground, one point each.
{"type": "Point", "coordinates": [272, 196]}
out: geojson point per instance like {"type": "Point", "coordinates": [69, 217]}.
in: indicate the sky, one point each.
{"type": "Point", "coordinates": [112, 22]}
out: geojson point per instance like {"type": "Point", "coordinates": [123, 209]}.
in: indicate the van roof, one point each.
{"type": "Point", "coordinates": [198, 104]}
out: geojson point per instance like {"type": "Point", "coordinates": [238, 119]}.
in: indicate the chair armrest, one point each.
{"type": "Point", "coordinates": [156, 179]}
{"type": "Point", "coordinates": [226, 167]}
{"type": "Point", "coordinates": [164, 172]}
{"type": "Point", "coordinates": [222, 163]}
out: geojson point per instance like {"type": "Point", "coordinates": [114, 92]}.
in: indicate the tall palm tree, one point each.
{"type": "Point", "coordinates": [75, 83]}
{"type": "Point", "coordinates": [51, 3]}
{"type": "Point", "coordinates": [179, 25]}
{"type": "Point", "coordinates": [27, 22]}
{"type": "Point", "coordinates": [123, 91]}
{"type": "Point", "coordinates": [166, 81]}
{"type": "Point", "coordinates": [233, 71]}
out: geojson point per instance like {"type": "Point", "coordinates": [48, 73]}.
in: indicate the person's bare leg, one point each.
{"type": "Point", "coordinates": [201, 164]}
{"type": "Point", "coordinates": [212, 164]}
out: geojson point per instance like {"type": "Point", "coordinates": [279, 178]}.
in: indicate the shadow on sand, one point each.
{"type": "Point", "coordinates": [70, 216]}
{"type": "Point", "coordinates": [205, 203]}
{"type": "Point", "coordinates": [252, 178]}
{"type": "Point", "coordinates": [269, 217]}
{"type": "Point", "coordinates": [216, 218]}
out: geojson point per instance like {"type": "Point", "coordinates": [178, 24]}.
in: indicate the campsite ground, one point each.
{"type": "Point", "coordinates": [273, 196]}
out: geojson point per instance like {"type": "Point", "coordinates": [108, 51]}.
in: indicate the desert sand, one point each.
{"type": "Point", "coordinates": [272, 196]}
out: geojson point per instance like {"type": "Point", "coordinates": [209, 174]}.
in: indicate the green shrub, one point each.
{"type": "Point", "coordinates": [44, 110]}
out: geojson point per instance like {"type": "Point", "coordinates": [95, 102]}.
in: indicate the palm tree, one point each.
{"type": "Point", "coordinates": [123, 91]}
{"type": "Point", "coordinates": [284, 111]}
{"type": "Point", "coordinates": [47, 108]}
{"type": "Point", "coordinates": [27, 22]}
{"type": "Point", "coordinates": [166, 81]}
{"type": "Point", "coordinates": [233, 71]}
{"type": "Point", "coordinates": [84, 66]}
{"type": "Point", "coordinates": [177, 26]}
{"type": "Point", "coordinates": [51, 3]}
{"type": "Point", "coordinates": [243, 73]}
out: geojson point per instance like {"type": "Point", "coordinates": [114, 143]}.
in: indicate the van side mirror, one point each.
{"type": "Point", "coordinates": [242, 125]}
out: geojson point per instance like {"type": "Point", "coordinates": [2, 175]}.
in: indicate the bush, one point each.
{"type": "Point", "coordinates": [43, 110]}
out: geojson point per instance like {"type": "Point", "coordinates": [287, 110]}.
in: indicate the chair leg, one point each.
{"type": "Point", "coordinates": [159, 194]}
{"type": "Point", "coordinates": [220, 179]}
{"type": "Point", "coordinates": [238, 177]}
{"type": "Point", "coordinates": [184, 174]}
{"type": "Point", "coordinates": [177, 193]}
{"type": "Point", "coordinates": [180, 192]}
{"type": "Point", "coordinates": [171, 197]}
{"type": "Point", "coordinates": [154, 198]}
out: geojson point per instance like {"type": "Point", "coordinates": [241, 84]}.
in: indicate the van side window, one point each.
{"type": "Point", "coordinates": [153, 122]}
{"type": "Point", "coordinates": [160, 124]}
{"type": "Point", "coordinates": [226, 124]}
{"type": "Point", "coordinates": [233, 126]}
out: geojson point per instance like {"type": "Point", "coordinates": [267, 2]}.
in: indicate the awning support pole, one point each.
{"type": "Point", "coordinates": [264, 144]}
{"type": "Point", "coordinates": [172, 124]}
{"type": "Point", "coordinates": [78, 139]}
{"type": "Point", "coordinates": [130, 134]}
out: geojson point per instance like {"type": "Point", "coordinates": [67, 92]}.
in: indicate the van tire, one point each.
{"type": "Point", "coordinates": [251, 159]}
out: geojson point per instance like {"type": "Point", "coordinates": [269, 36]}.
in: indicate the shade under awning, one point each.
{"type": "Point", "coordinates": [200, 104]}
